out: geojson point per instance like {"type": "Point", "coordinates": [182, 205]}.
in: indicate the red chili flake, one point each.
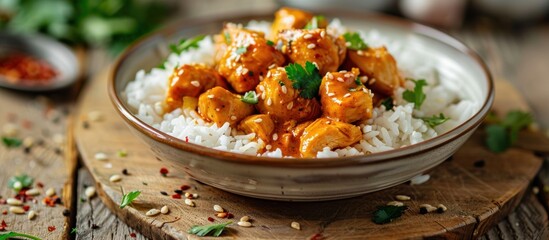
{"type": "Point", "coordinates": [26, 124]}
{"type": "Point", "coordinates": [211, 219]}
{"type": "Point", "coordinates": [21, 67]}
{"type": "Point", "coordinates": [5, 212]}
{"type": "Point", "coordinates": [186, 139]}
{"type": "Point", "coordinates": [39, 184]}
{"type": "Point", "coordinates": [133, 235]}
{"type": "Point", "coordinates": [317, 236]}
{"type": "Point", "coordinates": [51, 228]}
{"type": "Point", "coordinates": [164, 171]}
{"type": "Point", "coordinates": [3, 225]}
{"type": "Point", "coordinates": [51, 201]}
{"type": "Point", "coordinates": [26, 208]}
{"type": "Point", "coordinates": [176, 196]}
{"type": "Point", "coordinates": [185, 187]}
{"type": "Point", "coordinates": [230, 215]}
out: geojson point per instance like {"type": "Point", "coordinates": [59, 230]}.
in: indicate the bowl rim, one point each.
{"type": "Point", "coordinates": [391, 155]}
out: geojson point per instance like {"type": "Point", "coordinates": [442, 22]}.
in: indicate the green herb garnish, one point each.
{"type": "Point", "coordinates": [306, 79]}
{"type": "Point", "coordinates": [435, 120]}
{"type": "Point", "coordinates": [417, 96]}
{"type": "Point", "coordinates": [250, 97]}
{"type": "Point", "coordinates": [503, 133]}
{"type": "Point", "coordinates": [74, 230]}
{"type": "Point", "coordinates": [122, 153]}
{"type": "Point", "coordinates": [386, 214]}
{"type": "Point", "coordinates": [11, 235]}
{"type": "Point", "coordinates": [354, 41]}
{"type": "Point", "coordinates": [388, 103]}
{"type": "Point", "coordinates": [357, 81]}
{"type": "Point", "coordinates": [241, 50]}
{"type": "Point", "coordinates": [128, 198]}
{"type": "Point", "coordinates": [186, 44]}
{"type": "Point", "coordinates": [314, 23]}
{"type": "Point", "coordinates": [281, 83]}
{"type": "Point", "coordinates": [213, 229]}
{"type": "Point", "coordinates": [227, 37]}
{"type": "Point", "coordinates": [12, 142]}
{"type": "Point", "coordinates": [25, 181]}
{"type": "Point", "coordinates": [270, 43]}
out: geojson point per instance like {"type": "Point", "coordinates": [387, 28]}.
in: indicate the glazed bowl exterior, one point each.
{"type": "Point", "coordinates": [302, 179]}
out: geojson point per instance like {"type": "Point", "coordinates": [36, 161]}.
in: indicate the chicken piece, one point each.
{"type": "Point", "coordinates": [278, 98]}
{"type": "Point", "coordinates": [218, 105]}
{"type": "Point", "coordinates": [344, 98]}
{"type": "Point", "coordinates": [260, 124]}
{"type": "Point", "coordinates": [315, 46]}
{"type": "Point", "coordinates": [247, 58]}
{"type": "Point", "coordinates": [190, 81]}
{"type": "Point", "coordinates": [380, 66]}
{"type": "Point", "coordinates": [290, 18]}
{"type": "Point", "coordinates": [325, 132]}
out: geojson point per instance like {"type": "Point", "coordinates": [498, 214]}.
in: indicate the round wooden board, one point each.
{"type": "Point", "coordinates": [477, 197]}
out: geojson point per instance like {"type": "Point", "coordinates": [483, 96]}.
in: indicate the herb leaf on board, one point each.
{"type": "Point", "coordinates": [386, 214]}
{"type": "Point", "coordinates": [128, 198]}
{"type": "Point", "coordinates": [212, 229]}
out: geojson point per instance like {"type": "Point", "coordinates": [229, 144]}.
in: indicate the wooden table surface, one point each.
{"type": "Point", "coordinates": [518, 55]}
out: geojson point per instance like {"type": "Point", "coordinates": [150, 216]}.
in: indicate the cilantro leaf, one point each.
{"type": "Point", "coordinates": [502, 134]}
{"type": "Point", "coordinates": [270, 43]}
{"type": "Point", "coordinates": [354, 41]}
{"type": "Point", "coordinates": [186, 44]}
{"type": "Point", "coordinates": [357, 81]}
{"type": "Point", "coordinates": [227, 37]}
{"type": "Point", "coordinates": [11, 235]}
{"type": "Point", "coordinates": [213, 229]}
{"type": "Point", "coordinates": [386, 214]}
{"type": "Point", "coordinates": [11, 142]}
{"type": "Point", "coordinates": [128, 198]}
{"type": "Point", "coordinates": [25, 181]}
{"type": "Point", "coordinates": [74, 230]}
{"type": "Point", "coordinates": [388, 103]}
{"type": "Point", "coordinates": [306, 79]}
{"type": "Point", "coordinates": [417, 96]}
{"type": "Point", "coordinates": [281, 83]}
{"type": "Point", "coordinates": [241, 50]}
{"type": "Point", "coordinates": [435, 120]}
{"type": "Point", "coordinates": [314, 23]}
{"type": "Point", "coordinates": [250, 97]}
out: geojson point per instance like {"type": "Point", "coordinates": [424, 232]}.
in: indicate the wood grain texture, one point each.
{"type": "Point", "coordinates": [45, 120]}
{"type": "Point", "coordinates": [477, 198]}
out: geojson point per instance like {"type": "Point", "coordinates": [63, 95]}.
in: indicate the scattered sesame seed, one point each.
{"type": "Point", "coordinates": [218, 208]}
{"type": "Point", "coordinates": [395, 203]}
{"type": "Point", "coordinates": [115, 178]}
{"type": "Point", "coordinates": [307, 36]}
{"type": "Point", "coordinates": [245, 219]}
{"type": "Point", "coordinates": [331, 94]}
{"type": "Point", "coordinates": [347, 75]}
{"type": "Point", "coordinates": [17, 210]}
{"type": "Point", "coordinates": [284, 89]}
{"type": "Point", "coordinates": [290, 105]}
{"type": "Point", "coordinates": [295, 225]}
{"type": "Point", "coordinates": [152, 212]}
{"type": "Point", "coordinates": [347, 95]}
{"type": "Point", "coordinates": [195, 195]}
{"type": "Point", "coordinates": [32, 192]}
{"type": "Point", "coordinates": [360, 53]}
{"type": "Point", "coordinates": [311, 46]}
{"type": "Point", "coordinates": [95, 116]}
{"type": "Point", "coordinates": [441, 208]}
{"type": "Point", "coordinates": [50, 192]}
{"type": "Point", "coordinates": [89, 192]}
{"type": "Point", "coordinates": [330, 76]}
{"type": "Point", "coordinates": [275, 136]}
{"type": "Point", "coordinates": [189, 202]}
{"type": "Point", "coordinates": [221, 215]}
{"type": "Point", "coordinates": [28, 142]}
{"type": "Point", "coordinates": [217, 109]}
{"type": "Point", "coordinates": [180, 72]}
{"type": "Point", "coordinates": [419, 179]}
{"type": "Point", "coordinates": [101, 156]}
{"type": "Point", "coordinates": [426, 208]}
{"type": "Point", "coordinates": [340, 79]}
{"type": "Point", "coordinates": [322, 33]}
{"type": "Point", "coordinates": [189, 195]}
{"type": "Point", "coordinates": [233, 117]}
{"type": "Point", "coordinates": [258, 120]}
{"type": "Point", "coordinates": [245, 224]}
{"type": "Point", "coordinates": [14, 202]}
{"type": "Point", "coordinates": [262, 88]}
{"type": "Point", "coordinates": [164, 210]}
{"type": "Point", "coordinates": [402, 197]}
{"type": "Point", "coordinates": [244, 71]}
{"type": "Point", "coordinates": [268, 147]}
{"type": "Point", "coordinates": [211, 96]}
{"type": "Point", "coordinates": [31, 215]}
{"type": "Point", "coordinates": [269, 102]}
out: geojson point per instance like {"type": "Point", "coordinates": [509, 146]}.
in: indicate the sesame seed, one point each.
{"type": "Point", "coordinates": [32, 192]}
{"type": "Point", "coordinates": [330, 76]}
{"type": "Point", "coordinates": [307, 36]}
{"type": "Point", "coordinates": [262, 88]}
{"type": "Point", "coordinates": [340, 79]}
{"type": "Point", "coordinates": [221, 215]}
{"type": "Point", "coordinates": [50, 192]}
{"type": "Point", "coordinates": [188, 195]}
{"type": "Point", "coordinates": [195, 195]}
{"type": "Point", "coordinates": [115, 178]}
{"type": "Point", "coordinates": [152, 212]}
{"type": "Point", "coordinates": [322, 33]}
{"type": "Point", "coordinates": [211, 96]}
{"type": "Point", "coordinates": [311, 46]}
{"type": "Point", "coordinates": [14, 202]}
{"type": "Point", "coordinates": [284, 89]}
{"type": "Point", "coordinates": [271, 67]}
{"type": "Point", "coordinates": [331, 94]}
{"type": "Point", "coordinates": [275, 136]}
{"type": "Point", "coordinates": [269, 102]}
{"type": "Point", "coordinates": [316, 64]}
{"type": "Point", "coordinates": [245, 219]}
{"type": "Point", "coordinates": [372, 81]}
{"type": "Point", "coordinates": [347, 75]}
{"type": "Point", "coordinates": [217, 109]}
{"type": "Point", "coordinates": [89, 192]}
{"type": "Point", "coordinates": [17, 210]}
{"type": "Point", "coordinates": [258, 120]}
{"type": "Point", "coordinates": [441, 208]}
{"type": "Point", "coordinates": [269, 74]}
{"type": "Point", "coordinates": [180, 72]}
{"type": "Point", "coordinates": [268, 147]}
{"type": "Point", "coordinates": [28, 142]}
{"type": "Point", "coordinates": [395, 203]}
{"type": "Point", "coordinates": [347, 95]}
{"type": "Point", "coordinates": [195, 83]}
{"type": "Point", "coordinates": [426, 208]}
{"type": "Point", "coordinates": [189, 202]}
{"type": "Point", "coordinates": [244, 71]}
{"type": "Point", "coordinates": [360, 53]}
{"type": "Point", "coordinates": [95, 116]}
{"type": "Point", "coordinates": [245, 224]}
{"type": "Point", "coordinates": [165, 210]}
{"type": "Point", "coordinates": [218, 208]}
{"type": "Point", "coordinates": [290, 105]}
{"type": "Point", "coordinates": [101, 156]}
{"type": "Point", "coordinates": [402, 197]}
{"type": "Point", "coordinates": [31, 215]}
{"type": "Point", "coordinates": [233, 117]}
{"type": "Point", "coordinates": [295, 225]}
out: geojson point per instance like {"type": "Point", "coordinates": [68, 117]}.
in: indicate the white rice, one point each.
{"type": "Point", "coordinates": [386, 130]}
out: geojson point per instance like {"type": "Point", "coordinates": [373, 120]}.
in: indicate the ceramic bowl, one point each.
{"type": "Point", "coordinates": [309, 179]}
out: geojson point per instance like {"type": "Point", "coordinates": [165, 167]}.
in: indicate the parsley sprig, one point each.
{"type": "Point", "coordinates": [314, 23]}
{"type": "Point", "coordinates": [12, 142]}
{"type": "Point", "coordinates": [250, 97]}
{"type": "Point", "coordinates": [386, 214]}
{"type": "Point", "coordinates": [213, 229]}
{"type": "Point", "coordinates": [11, 235]}
{"type": "Point", "coordinates": [503, 133]}
{"type": "Point", "coordinates": [186, 44]}
{"type": "Point", "coordinates": [306, 79]}
{"type": "Point", "coordinates": [435, 120]}
{"type": "Point", "coordinates": [128, 198]}
{"type": "Point", "coordinates": [416, 96]}
{"type": "Point", "coordinates": [24, 179]}
{"type": "Point", "coordinates": [388, 103]}
{"type": "Point", "coordinates": [354, 41]}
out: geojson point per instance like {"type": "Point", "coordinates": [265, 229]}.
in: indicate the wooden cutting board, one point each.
{"type": "Point", "coordinates": [477, 197]}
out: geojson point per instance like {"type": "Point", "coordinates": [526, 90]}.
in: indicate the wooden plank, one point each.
{"type": "Point", "coordinates": [45, 120]}
{"type": "Point", "coordinates": [479, 198]}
